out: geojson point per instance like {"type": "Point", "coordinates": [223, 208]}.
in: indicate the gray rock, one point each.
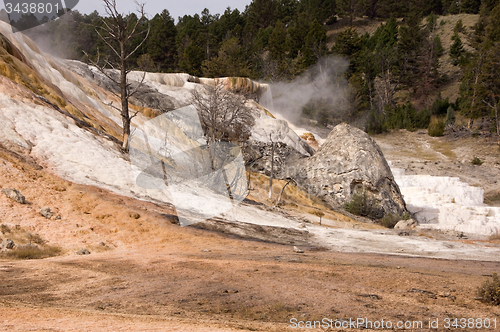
{"type": "Point", "coordinates": [298, 250]}
{"type": "Point", "coordinates": [7, 244]}
{"type": "Point", "coordinates": [14, 195]}
{"type": "Point", "coordinates": [45, 212]}
{"type": "Point", "coordinates": [257, 156]}
{"type": "Point", "coordinates": [134, 215]}
{"type": "Point", "coordinates": [406, 224]}
{"type": "Point", "coordinates": [83, 252]}
{"type": "Point", "coordinates": [351, 165]}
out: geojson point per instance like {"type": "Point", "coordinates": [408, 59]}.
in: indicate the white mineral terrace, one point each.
{"type": "Point", "coordinates": [447, 203]}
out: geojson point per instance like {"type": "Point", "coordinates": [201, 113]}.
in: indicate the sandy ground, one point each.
{"type": "Point", "coordinates": [152, 275]}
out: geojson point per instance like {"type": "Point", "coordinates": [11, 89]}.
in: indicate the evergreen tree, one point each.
{"type": "Point", "coordinates": [410, 47]}
{"type": "Point", "coordinates": [349, 44]}
{"type": "Point", "coordinates": [479, 91]}
{"type": "Point", "coordinates": [161, 44]}
{"type": "Point", "coordinates": [351, 9]}
{"type": "Point", "coordinates": [315, 44]}
{"type": "Point", "coordinates": [190, 44]}
{"type": "Point", "coordinates": [298, 30]}
{"type": "Point", "coordinates": [277, 42]}
{"type": "Point", "coordinates": [260, 14]}
{"type": "Point", "coordinates": [230, 61]}
{"type": "Point", "coordinates": [456, 49]}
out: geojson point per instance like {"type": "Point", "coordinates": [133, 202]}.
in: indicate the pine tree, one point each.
{"type": "Point", "coordinates": [229, 61]}
{"type": "Point", "coordinates": [315, 44]}
{"type": "Point", "coordinates": [161, 44]}
{"type": "Point", "coordinates": [456, 49]}
{"type": "Point", "coordinates": [277, 42]}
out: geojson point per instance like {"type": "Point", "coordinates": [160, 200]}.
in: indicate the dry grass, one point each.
{"type": "Point", "coordinates": [32, 252]}
{"type": "Point", "coordinates": [294, 200]}
{"type": "Point", "coordinates": [492, 198]}
{"type": "Point", "coordinates": [443, 147]}
{"type": "Point", "coordinates": [28, 245]}
{"type": "Point", "coordinates": [495, 237]}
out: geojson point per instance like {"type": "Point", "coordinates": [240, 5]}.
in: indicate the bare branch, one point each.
{"type": "Point", "coordinates": [140, 44]}
{"type": "Point", "coordinates": [133, 116]}
{"type": "Point", "coordinates": [141, 83]}
{"type": "Point", "coordinates": [107, 43]}
{"type": "Point", "coordinates": [113, 106]}
{"type": "Point", "coordinates": [223, 114]}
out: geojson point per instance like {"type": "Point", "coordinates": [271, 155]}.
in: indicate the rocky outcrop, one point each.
{"type": "Point", "coordinates": [14, 195]}
{"type": "Point", "coordinates": [7, 244]}
{"type": "Point", "coordinates": [257, 156]}
{"type": "Point", "coordinates": [83, 252]}
{"type": "Point", "coordinates": [45, 212]}
{"type": "Point", "coordinates": [350, 168]}
{"type": "Point", "coordinates": [406, 224]}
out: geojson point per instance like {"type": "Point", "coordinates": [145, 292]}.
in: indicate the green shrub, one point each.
{"type": "Point", "coordinates": [476, 161]}
{"type": "Point", "coordinates": [359, 205]}
{"type": "Point", "coordinates": [489, 291]}
{"type": "Point", "coordinates": [450, 116]}
{"type": "Point", "coordinates": [390, 220]}
{"type": "Point", "coordinates": [375, 123]}
{"type": "Point", "coordinates": [493, 127]}
{"type": "Point", "coordinates": [406, 216]}
{"type": "Point", "coordinates": [402, 117]}
{"type": "Point", "coordinates": [436, 128]}
{"type": "Point", "coordinates": [423, 119]}
{"type": "Point", "coordinates": [440, 106]}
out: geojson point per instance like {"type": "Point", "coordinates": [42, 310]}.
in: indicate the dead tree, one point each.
{"type": "Point", "coordinates": [224, 118]}
{"type": "Point", "coordinates": [272, 168]}
{"type": "Point", "coordinates": [223, 114]}
{"type": "Point", "coordinates": [119, 32]}
{"type": "Point", "coordinates": [494, 106]}
{"type": "Point", "coordinates": [283, 190]}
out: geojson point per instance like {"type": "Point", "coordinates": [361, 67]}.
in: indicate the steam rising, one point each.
{"type": "Point", "coordinates": [323, 82]}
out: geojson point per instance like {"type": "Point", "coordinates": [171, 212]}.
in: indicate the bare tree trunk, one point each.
{"type": "Point", "coordinates": [124, 98]}
{"type": "Point", "coordinates": [477, 74]}
{"type": "Point", "coordinates": [495, 108]}
{"type": "Point", "coordinates": [498, 123]}
{"type": "Point", "coordinates": [121, 29]}
{"type": "Point", "coordinates": [272, 168]}
{"type": "Point", "coordinates": [282, 191]}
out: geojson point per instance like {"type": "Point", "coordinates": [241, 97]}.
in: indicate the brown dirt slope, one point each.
{"type": "Point", "coordinates": [152, 275]}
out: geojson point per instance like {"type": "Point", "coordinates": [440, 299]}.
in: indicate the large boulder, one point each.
{"type": "Point", "coordinates": [350, 168]}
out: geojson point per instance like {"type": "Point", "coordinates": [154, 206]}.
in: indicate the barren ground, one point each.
{"type": "Point", "coordinates": [149, 274]}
